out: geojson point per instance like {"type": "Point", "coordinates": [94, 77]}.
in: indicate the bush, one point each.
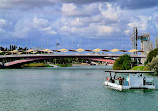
{"type": "Point", "coordinates": [123, 63]}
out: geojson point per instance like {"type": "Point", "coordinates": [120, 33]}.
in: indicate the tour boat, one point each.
{"type": "Point", "coordinates": [133, 80]}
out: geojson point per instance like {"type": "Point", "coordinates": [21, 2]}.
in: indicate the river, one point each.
{"type": "Point", "coordinates": [68, 89]}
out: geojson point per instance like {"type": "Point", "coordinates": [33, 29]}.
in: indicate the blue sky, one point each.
{"type": "Point", "coordinates": [87, 24]}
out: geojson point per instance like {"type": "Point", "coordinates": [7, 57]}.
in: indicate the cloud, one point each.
{"type": "Point", "coordinates": [127, 32]}
{"type": "Point", "coordinates": [71, 9]}
{"type": "Point", "coordinates": [22, 27]}
{"type": "Point", "coordinates": [137, 4]}
{"type": "Point", "coordinates": [89, 20]}
{"type": "Point", "coordinates": [3, 23]}
{"type": "Point", "coordinates": [142, 22]}
{"type": "Point", "coordinates": [43, 25]}
{"type": "Point", "coordinates": [27, 4]}
{"type": "Point", "coordinates": [25, 26]}
{"type": "Point", "coordinates": [155, 20]}
{"type": "Point", "coordinates": [84, 1]}
{"type": "Point", "coordinates": [93, 30]}
{"type": "Point", "coordinates": [109, 12]}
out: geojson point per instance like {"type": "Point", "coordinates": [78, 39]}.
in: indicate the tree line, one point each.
{"type": "Point", "coordinates": [13, 47]}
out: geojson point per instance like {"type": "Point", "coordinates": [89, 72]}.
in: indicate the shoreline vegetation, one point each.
{"type": "Point", "coordinates": [63, 62]}
{"type": "Point", "coordinates": [57, 62]}
{"type": "Point", "coordinates": [36, 65]}
{"type": "Point", "coordinates": [54, 65]}
{"type": "Point", "coordinates": [41, 64]}
{"type": "Point", "coordinates": [46, 65]}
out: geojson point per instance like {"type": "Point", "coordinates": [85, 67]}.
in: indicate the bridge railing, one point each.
{"type": "Point", "coordinates": [76, 54]}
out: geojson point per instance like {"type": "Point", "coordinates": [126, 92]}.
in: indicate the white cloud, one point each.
{"type": "Point", "coordinates": [43, 25]}
{"type": "Point", "coordinates": [109, 12]}
{"type": "Point", "coordinates": [24, 26]}
{"type": "Point", "coordinates": [93, 30]}
{"type": "Point", "coordinates": [40, 23]}
{"type": "Point", "coordinates": [71, 21]}
{"type": "Point", "coordinates": [49, 30]}
{"type": "Point", "coordinates": [155, 20]}
{"type": "Point", "coordinates": [101, 23]}
{"type": "Point", "coordinates": [71, 9]}
{"type": "Point", "coordinates": [3, 23]}
{"type": "Point", "coordinates": [127, 32]}
{"type": "Point", "coordinates": [142, 22]}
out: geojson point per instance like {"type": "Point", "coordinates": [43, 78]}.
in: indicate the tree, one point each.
{"type": "Point", "coordinates": [123, 63]}
{"type": "Point", "coordinates": [10, 47]}
{"type": "Point", "coordinates": [151, 55]}
{"type": "Point", "coordinates": [153, 65]}
{"type": "Point", "coordinates": [156, 42]}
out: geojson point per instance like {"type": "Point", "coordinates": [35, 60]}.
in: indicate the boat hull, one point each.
{"type": "Point", "coordinates": [120, 87]}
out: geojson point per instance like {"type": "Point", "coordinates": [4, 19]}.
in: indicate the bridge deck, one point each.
{"type": "Point", "coordinates": [68, 55]}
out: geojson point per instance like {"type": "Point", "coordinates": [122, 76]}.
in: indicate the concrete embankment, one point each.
{"type": "Point", "coordinates": [83, 64]}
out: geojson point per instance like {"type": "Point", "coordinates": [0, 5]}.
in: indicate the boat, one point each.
{"type": "Point", "coordinates": [133, 80]}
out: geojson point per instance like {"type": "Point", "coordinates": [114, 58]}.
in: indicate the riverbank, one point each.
{"type": "Point", "coordinates": [58, 65]}
{"type": "Point", "coordinates": [36, 65]}
{"type": "Point", "coordinates": [46, 65]}
{"type": "Point", "coordinates": [82, 64]}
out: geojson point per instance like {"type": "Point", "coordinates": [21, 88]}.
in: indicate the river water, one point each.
{"type": "Point", "coordinates": [68, 89]}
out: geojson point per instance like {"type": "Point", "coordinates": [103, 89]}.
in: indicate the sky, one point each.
{"type": "Point", "coordinates": [87, 24]}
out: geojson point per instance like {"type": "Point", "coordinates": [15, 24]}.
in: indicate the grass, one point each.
{"type": "Point", "coordinates": [140, 68]}
{"type": "Point", "coordinates": [35, 65]}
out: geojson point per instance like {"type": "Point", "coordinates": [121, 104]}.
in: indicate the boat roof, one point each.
{"type": "Point", "coordinates": [128, 71]}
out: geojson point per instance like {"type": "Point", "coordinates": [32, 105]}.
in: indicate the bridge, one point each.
{"type": "Point", "coordinates": [68, 56]}
{"type": "Point", "coordinates": [34, 57]}
{"type": "Point", "coordinates": [29, 55]}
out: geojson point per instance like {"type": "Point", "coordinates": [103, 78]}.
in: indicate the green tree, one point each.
{"type": "Point", "coordinates": [151, 55]}
{"type": "Point", "coordinates": [153, 65]}
{"type": "Point", "coordinates": [123, 63]}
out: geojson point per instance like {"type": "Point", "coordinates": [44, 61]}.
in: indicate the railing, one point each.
{"type": "Point", "coordinates": [114, 55]}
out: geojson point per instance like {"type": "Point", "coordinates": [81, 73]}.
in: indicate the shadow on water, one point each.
{"type": "Point", "coordinates": [139, 90]}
